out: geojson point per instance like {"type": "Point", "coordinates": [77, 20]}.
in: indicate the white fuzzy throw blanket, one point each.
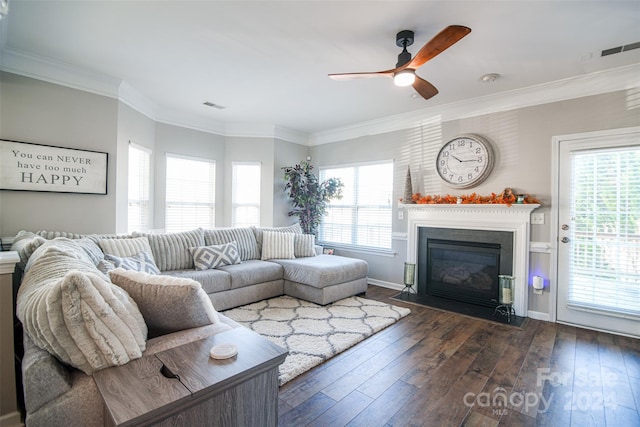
{"type": "Point", "coordinates": [71, 310]}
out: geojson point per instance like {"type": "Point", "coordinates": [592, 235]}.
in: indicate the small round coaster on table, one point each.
{"type": "Point", "coordinates": [223, 351]}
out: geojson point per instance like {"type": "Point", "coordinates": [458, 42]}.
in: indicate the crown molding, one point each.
{"type": "Point", "coordinates": [60, 73]}
{"type": "Point", "coordinates": [596, 83]}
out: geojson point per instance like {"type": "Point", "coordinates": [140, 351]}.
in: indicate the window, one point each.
{"type": "Point", "coordinates": [191, 193]}
{"type": "Point", "coordinates": [139, 209]}
{"type": "Point", "coordinates": [362, 218]}
{"type": "Point", "coordinates": [245, 194]}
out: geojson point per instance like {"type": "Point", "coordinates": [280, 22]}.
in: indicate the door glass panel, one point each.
{"type": "Point", "coordinates": [605, 211]}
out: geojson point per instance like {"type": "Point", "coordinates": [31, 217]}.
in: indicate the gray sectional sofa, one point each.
{"type": "Point", "coordinates": [228, 267]}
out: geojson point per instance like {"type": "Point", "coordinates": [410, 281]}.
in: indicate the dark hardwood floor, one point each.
{"type": "Point", "coordinates": [436, 368]}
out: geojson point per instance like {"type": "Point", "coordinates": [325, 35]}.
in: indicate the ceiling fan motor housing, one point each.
{"type": "Point", "coordinates": [403, 39]}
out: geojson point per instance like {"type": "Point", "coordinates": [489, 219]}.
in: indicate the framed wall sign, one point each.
{"type": "Point", "coordinates": [34, 167]}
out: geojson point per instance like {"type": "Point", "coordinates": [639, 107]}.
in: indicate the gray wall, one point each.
{"type": "Point", "coordinates": [522, 141]}
{"type": "Point", "coordinates": [44, 113]}
{"type": "Point", "coordinates": [136, 128]}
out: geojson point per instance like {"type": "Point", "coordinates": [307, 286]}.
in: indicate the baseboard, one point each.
{"type": "Point", "coordinates": [538, 315]}
{"type": "Point", "coordinates": [384, 284]}
{"type": "Point", "coordinates": [11, 420]}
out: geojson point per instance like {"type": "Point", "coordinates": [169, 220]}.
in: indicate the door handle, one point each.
{"type": "Point", "coordinates": [565, 240]}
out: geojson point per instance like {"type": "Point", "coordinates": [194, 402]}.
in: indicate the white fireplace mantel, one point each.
{"type": "Point", "coordinates": [497, 217]}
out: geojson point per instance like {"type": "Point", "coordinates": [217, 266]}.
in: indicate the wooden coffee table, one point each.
{"type": "Point", "coordinates": [240, 391]}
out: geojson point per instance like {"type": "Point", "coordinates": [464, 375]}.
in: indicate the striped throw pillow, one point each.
{"type": "Point", "coordinates": [303, 245]}
{"type": "Point", "coordinates": [277, 245]}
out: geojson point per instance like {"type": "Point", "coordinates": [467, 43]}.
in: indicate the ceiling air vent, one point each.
{"type": "Point", "coordinates": [619, 49]}
{"type": "Point", "coordinates": [211, 104]}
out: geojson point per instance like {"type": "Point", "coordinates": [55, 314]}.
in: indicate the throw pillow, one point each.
{"type": "Point", "coordinates": [304, 245]}
{"type": "Point", "coordinates": [206, 257]}
{"type": "Point", "coordinates": [139, 262]}
{"type": "Point", "coordinates": [72, 312]}
{"type": "Point", "coordinates": [276, 245]}
{"type": "Point", "coordinates": [259, 231]}
{"type": "Point", "coordinates": [167, 303]}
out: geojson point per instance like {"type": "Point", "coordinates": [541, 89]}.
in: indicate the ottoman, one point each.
{"type": "Point", "coordinates": [324, 279]}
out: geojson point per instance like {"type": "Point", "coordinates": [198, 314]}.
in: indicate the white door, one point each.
{"type": "Point", "coordinates": [598, 264]}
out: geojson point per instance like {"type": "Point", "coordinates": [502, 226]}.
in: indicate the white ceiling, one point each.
{"type": "Point", "coordinates": [267, 61]}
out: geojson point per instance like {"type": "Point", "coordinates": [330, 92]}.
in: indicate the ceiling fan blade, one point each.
{"type": "Point", "coordinates": [365, 75]}
{"type": "Point", "coordinates": [424, 88]}
{"type": "Point", "coordinates": [442, 41]}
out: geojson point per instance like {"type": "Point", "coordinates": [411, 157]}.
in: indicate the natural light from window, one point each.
{"type": "Point", "coordinates": [191, 193]}
{"type": "Point", "coordinates": [245, 194]}
{"type": "Point", "coordinates": [139, 203]}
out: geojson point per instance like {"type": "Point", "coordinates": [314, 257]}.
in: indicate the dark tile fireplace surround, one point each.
{"type": "Point", "coordinates": [458, 270]}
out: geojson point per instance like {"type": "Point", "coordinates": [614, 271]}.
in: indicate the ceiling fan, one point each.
{"type": "Point", "coordinates": [405, 72]}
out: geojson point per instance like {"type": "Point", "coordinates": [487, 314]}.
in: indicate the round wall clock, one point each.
{"type": "Point", "coordinates": [465, 161]}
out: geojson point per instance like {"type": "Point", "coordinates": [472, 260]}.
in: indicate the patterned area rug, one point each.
{"type": "Point", "coordinates": [313, 333]}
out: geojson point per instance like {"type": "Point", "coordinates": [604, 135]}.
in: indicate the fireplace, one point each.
{"type": "Point", "coordinates": [457, 225]}
{"type": "Point", "coordinates": [463, 265]}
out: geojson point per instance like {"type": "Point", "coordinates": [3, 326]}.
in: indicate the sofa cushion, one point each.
{"type": "Point", "coordinates": [68, 308]}
{"type": "Point", "coordinates": [50, 235]}
{"type": "Point", "coordinates": [323, 270]}
{"type": "Point", "coordinates": [243, 236]}
{"type": "Point", "coordinates": [125, 247]}
{"type": "Point", "coordinates": [139, 262]}
{"type": "Point", "coordinates": [252, 272]}
{"type": "Point", "coordinates": [277, 245]}
{"type": "Point", "coordinates": [212, 281]}
{"type": "Point", "coordinates": [259, 231]}
{"type": "Point", "coordinates": [214, 256]}
{"type": "Point", "coordinates": [171, 250]}
{"type": "Point", "coordinates": [167, 303]}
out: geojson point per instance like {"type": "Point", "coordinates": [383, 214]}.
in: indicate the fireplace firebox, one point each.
{"type": "Point", "coordinates": [463, 265]}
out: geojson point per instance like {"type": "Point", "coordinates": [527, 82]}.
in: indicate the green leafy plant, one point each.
{"type": "Point", "coordinates": [310, 197]}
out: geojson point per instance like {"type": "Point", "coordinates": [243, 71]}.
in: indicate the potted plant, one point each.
{"type": "Point", "coordinates": [310, 197]}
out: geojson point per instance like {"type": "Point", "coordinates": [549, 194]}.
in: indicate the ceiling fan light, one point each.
{"type": "Point", "coordinates": [404, 78]}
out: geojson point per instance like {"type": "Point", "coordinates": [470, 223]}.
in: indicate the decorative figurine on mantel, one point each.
{"type": "Point", "coordinates": [408, 188]}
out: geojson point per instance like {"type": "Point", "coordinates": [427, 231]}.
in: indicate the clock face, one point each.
{"type": "Point", "coordinates": [465, 161]}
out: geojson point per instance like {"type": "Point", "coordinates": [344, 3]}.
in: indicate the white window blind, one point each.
{"type": "Point", "coordinates": [139, 206]}
{"type": "Point", "coordinates": [362, 218]}
{"type": "Point", "coordinates": [190, 193]}
{"type": "Point", "coordinates": [605, 207]}
{"type": "Point", "coordinates": [245, 194]}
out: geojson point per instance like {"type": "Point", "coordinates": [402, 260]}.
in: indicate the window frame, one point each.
{"type": "Point", "coordinates": [387, 250]}
{"type": "Point", "coordinates": [144, 203]}
{"type": "Point", "coordinates": [212, 185]}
